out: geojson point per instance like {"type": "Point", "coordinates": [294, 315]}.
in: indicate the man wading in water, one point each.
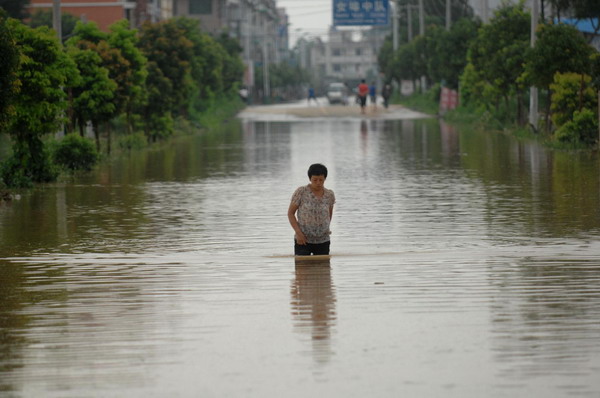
{"type": "Point", "coordinates": [314, 205]}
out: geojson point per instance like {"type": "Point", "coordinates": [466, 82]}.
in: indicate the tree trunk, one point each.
{"type": "Point", "coordinates": [548, 104]}
{"type": "Point", "coordinates": [108, 138]}
{"type": "Point", "coordinates": [96, 135]}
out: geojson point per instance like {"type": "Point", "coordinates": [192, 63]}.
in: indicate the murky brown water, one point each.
{"type": "Point", "coordinates": [464, 265]}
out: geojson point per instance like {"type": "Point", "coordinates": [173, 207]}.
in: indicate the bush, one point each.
{"type": "Point", "coordinates": [75, 153]}
{"type": "Point", "coordinates": [133, 141]}
{"type": "Point", "coordinates": [571, 92]}
{"type": "Point", "coordinates": [583, 129]}
{"type": "Point", "coordinates": [26, 166]}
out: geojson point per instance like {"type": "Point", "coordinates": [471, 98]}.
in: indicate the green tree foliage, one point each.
{"type": "Point", "coordinates": [15, 8]}
{"type": "Point", "coordinates": [498, 53]}
{"type": "Point", "coordinates": [89, 37]}
{"type": "Point", "coordinates": [169, 51]}
{"type": "Point", "coordinates": [435, 14]}
{"type": "Point", "coordinates": [207, 61]}
{"type": "Point", "coordinates": [233, 68]}
{"type": "Point", "coordinates": [571, 92]}
{"type": "Point", "coordinates": [44, 69]}
{"type": "Point", "coordinates": [583, 129]}
{"type": "Point", "coordinates": [9, 62]}
{"type": "Point", "coordinates": [75, 153]}
{"type": "Point", "coordinates": [448, 51]}
{"type": "Point", "coordinates": [44, 18]}
{"type": "Point", "coordinates": [130, 86]}
{"type": "Point", "coordinates": [93, 94]}
{"type": "Point", "coordinates": [558, 49]}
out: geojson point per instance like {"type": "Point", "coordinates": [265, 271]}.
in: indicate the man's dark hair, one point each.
{"type": "Point", "coordinates": [317, 169]}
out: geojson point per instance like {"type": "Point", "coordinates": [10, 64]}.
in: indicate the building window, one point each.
{"type": "Point", "coordinates": [358, 51]}
{"type": "Point", "coordinates": [201, 6]}
{"type": "Point", "coordinates": [337, 68]}
{"type": "Point", "coordinates": [336, 52]}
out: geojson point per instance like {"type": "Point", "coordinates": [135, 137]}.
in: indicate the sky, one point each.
{"type": "Point", "coordinates": [310, 17]}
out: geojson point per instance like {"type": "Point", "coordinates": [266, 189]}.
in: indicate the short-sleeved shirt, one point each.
{"type": "Point", "coordinates": [363, 89]}
{"type": "Point", "coordinates": [313, 213]}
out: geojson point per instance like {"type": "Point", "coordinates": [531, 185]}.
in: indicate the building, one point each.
{"type": "Point", "coordinates": [106, 12]}
{"type": "Point", "coordinates": [347, 56]}
{"type": "Point", "coordinates": [259, 25]}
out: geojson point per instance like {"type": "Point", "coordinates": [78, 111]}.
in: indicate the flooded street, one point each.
{"type": "Point", "coordinates": [464, 264]}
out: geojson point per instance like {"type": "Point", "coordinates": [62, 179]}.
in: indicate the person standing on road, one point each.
{"type": "Point", "coordinates": [311, 95]}
{"type": "Point", "coordinates": [373, 94]}
{"type": "Point", "coordinates": [386, 93]}
{"type": "Point", "coordinates": [363, 91]}
{"type": "Point", "coordinates": [310, 213]}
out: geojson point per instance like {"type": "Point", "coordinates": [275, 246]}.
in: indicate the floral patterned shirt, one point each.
{"type": "Point", "coordinates": [313, 213]}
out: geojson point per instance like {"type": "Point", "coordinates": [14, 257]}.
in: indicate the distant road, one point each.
{"type": "Point", "coordinates": [301, 110]}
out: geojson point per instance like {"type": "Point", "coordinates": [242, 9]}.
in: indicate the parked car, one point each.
{"type": "Point", "coordinates": [337, 93]}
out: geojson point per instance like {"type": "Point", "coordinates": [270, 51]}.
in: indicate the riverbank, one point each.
{"type": "Point", "coordinates": [484, 121]}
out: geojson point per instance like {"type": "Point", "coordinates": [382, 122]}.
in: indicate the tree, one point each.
{"type": "Point", "coordinates": [169, 84]}
{"type": "Point", "coordinates": [15, 8]}
{"type": "Point", "coordinates": [44, 18]}
{"type": "Point", "coordinates": [93, 95]}
{"type": "Point", "coordinates": [9, 63]}
{"type": "Point", "coordinates": [43, 71]}
{"type": "Point", "coordinates": [447, 56]}
{"type": "Point", "coordinates": [131, 87]}
{"type": "Point", "coordinates": [558, 49]}
{"type": "Point", "coordinates": [571, 92]}
{"type": "Point", "coordinates": [498, 53]}
{"type": "Point", "coordinates": [233, 68]}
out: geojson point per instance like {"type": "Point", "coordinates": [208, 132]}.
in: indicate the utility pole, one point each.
{"type": "Point", "coordinates": [533, 91]}
{"type": "Point", "coordinates": [422, 33]}
{"type": "Point", "coordinates": [267, 93]}
{"type": "Point", "coordinates": [448, 14]}
{"type": "Point", "coordinates": [409, 20]}
{"type": "Point", "coordinates": [421, 18]}
{"type": "Point", "coordinates": [56, 19]}
{"type": "Point", "coordinates": [484, 11]}
{"type": "Point", "coordinates": [395, 16]}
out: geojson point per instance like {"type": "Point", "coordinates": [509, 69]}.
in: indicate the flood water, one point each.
{"type": "Point", "coordinates": [464, 264]}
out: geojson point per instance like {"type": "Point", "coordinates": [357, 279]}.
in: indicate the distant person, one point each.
{"type": "Point", "coordinates": [373, 94]}
{"type": "Point", "coordinates": [244, 94]}
{"type": "Point", "coordinates": [363, 91]}
{"type": "Point", "coordinates": [310, 213]}
{"type": "Point", "coordinates": [386, 93]}
{"type": "Point", "coordinates": [311, 95]}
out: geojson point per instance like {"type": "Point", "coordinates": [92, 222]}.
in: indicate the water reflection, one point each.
{"type": "Point", "coordinates": [478, 250]}
{"type": "Point", "coordinates": [313, 304]}
{"type": "Point", "coordinates": [545, 319]}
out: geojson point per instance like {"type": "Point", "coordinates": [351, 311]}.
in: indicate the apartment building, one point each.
{"type": "Point", "coordinates": [346, 56]}
{"type": "Point", "coordinates": [106, 12]}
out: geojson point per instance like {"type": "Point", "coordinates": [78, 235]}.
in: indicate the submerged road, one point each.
{"type": "Point", "coordinates": [302, 110]}
{"type": "Point", "coordinates": [463, 265]}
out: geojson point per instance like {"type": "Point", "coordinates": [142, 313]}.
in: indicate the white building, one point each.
{"type": "Point", "coordinates": [347, 56]}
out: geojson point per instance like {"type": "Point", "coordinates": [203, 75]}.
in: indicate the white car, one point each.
{"type": "Point", "coordinates": [337, 93]}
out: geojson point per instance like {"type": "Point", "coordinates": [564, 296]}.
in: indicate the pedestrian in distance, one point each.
{"type": "Point", "coordinates": [362, 91]}
{"type": "Point", "coordinates": [244, 94]}
{"type": "Point", "coordinates": [312, 96]}
{"type": "Point", "coordinates": [373, 94]}
{"type": "Point", "coordinates": [386, 93]}
{"type": "Point", "coordinates": [310, 213]}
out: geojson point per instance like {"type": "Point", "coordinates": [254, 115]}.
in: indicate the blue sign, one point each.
{"type": "Point", "coordinates": [360, 12]}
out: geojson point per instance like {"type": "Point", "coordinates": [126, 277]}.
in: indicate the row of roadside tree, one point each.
{"type": "Point", "coordinates": [141, 80]}
{"type": "Point", "coordinates": [493, 66]}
